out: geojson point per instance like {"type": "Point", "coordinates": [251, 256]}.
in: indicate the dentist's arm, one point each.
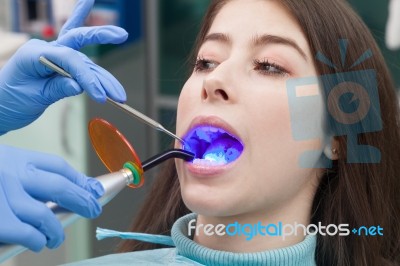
{"type": "Point", "coordinates": [27, 181]}
{"type": "Point", "coordinates": [27, 87]}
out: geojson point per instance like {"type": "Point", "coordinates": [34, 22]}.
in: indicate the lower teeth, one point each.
{"type": "Point", "coordinates": [207, 162]}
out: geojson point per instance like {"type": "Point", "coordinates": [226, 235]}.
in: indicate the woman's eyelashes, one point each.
{"type": "Point", "coordinates": [268, 68]}
{"type": "Point", "coordinates": [204, 65]}
{"type": "Point", "coordinates": [264, 67]}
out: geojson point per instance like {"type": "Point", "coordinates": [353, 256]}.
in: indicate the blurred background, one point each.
{"type": "Point", "coordinates": [152, 66]}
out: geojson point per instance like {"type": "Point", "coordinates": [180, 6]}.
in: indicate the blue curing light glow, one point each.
{"type": "Point", "coordinates": [213, 144]}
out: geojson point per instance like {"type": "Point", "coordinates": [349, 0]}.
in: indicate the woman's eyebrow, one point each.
{"type": "Point", "coordinates": [221, 37]}
{"type": "Point", "coordinates": [258, 41]}
{"type": "Point", "coordinates": [274, 39]}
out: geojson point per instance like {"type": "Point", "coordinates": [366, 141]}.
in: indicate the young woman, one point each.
{"type": "Point", "coordinates": [333, 163]}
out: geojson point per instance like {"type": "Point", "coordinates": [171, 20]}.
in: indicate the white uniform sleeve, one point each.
{"type": "Point", "coordinates": [393, 25]}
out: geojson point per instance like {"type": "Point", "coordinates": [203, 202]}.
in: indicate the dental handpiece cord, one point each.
{"type": "Point", "coordinates": [131, 111]}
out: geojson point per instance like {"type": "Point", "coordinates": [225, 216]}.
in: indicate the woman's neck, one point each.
{"type": "Point", "coordinates": [252, 232]}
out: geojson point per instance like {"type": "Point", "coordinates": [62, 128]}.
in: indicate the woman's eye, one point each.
{"type": "Point", "coordinates": [204, 65]}
{"type": "Point", "coordinates": [267, 68]}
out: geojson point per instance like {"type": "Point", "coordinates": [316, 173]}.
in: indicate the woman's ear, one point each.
{"type": "Point", "coordinates": [331, 151]}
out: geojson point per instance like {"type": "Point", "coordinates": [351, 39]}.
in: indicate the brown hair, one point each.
{"type": "Point", "coordinates": [359, 194]}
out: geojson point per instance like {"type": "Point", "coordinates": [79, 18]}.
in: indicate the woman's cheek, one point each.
{"type": "Point", "coordinates": [190, 91]}
{"type": "Point", "coordinates": [185, 102]}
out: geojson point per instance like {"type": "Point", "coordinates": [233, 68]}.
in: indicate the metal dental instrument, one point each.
{"type": "Point", "coordinates": [145, 119]}
{"type": "Point", "coordinates": [138, 115]}
{"type": "Point", "coordinates": [54, 67]}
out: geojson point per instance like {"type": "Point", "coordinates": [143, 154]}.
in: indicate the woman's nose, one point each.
{"type": "Point", "coordinates": [217, 88]}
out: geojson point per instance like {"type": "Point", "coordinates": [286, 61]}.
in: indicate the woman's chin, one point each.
{"type": "Point", "coordinates": [207, 203]}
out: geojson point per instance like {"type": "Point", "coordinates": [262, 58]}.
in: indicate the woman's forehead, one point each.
{"type": "Point", "coordinates": [247, 19]}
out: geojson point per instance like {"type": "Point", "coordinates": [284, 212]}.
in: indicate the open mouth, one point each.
{"type": "Point", "coordinates": [212, 145]}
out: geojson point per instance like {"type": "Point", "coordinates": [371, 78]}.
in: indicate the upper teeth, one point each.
{"type": "Point", "coordinates": [216, 157]}
{"type": "Point", "coordinates": [213, 129]}
{"type": "Point", "coordinates": [203, 135]}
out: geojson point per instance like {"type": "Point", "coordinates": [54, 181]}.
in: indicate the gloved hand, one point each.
{"type": "Point", "coordinates": [27, 180]}
{"type": "Point", "coordinates": [27, 87]}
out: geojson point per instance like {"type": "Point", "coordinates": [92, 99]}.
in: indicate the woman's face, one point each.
{"type": "Point", "coordinates": [233, 112]}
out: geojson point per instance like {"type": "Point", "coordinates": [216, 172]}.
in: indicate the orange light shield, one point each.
{"type": "Point", "coordinates": [113, 149]}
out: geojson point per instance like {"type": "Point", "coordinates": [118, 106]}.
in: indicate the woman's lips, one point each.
{"type": "Point", "coordinates": [202, 170]}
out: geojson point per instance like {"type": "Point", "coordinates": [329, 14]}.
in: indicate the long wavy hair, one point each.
{"type": "Point", "coordinates": [358, 194]}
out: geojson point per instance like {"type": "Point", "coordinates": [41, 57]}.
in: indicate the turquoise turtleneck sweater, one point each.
{"type": "Point", "coordinates": [188, 252]}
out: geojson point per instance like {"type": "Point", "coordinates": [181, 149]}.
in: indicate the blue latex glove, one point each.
{"type": "Point", "coordinates": [27, 87]}
{"type": "Point", "coordinates": [27, 180]}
